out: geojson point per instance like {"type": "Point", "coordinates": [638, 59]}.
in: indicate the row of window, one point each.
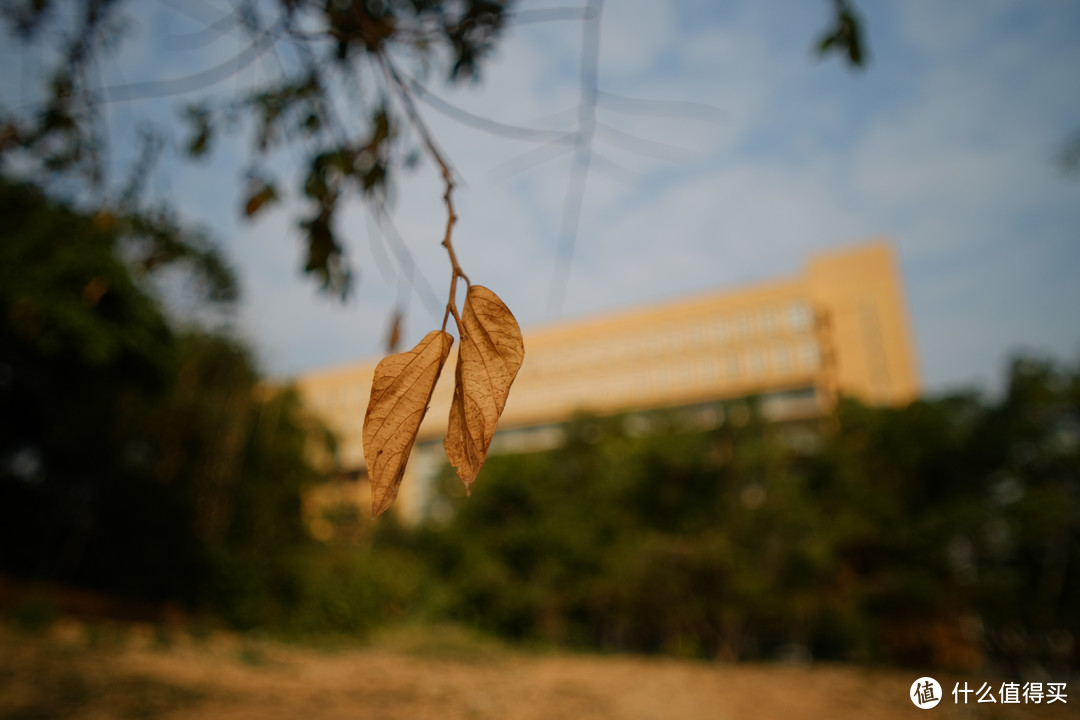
{"type": "Point", "coordinates": [729, 366]}
{"type": "Point", "coordinates": [794, 317]}
{"type": "Point", "coordinates": [703, 372]}
{"type": "Point", "coordinates": [777, 361]}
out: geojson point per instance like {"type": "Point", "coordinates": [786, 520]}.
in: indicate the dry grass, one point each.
{"type": "Point", "coordinates": [107, 670]}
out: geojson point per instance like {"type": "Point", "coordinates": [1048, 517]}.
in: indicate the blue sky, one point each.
{"type": "Point", "coordinates": [946, 143]}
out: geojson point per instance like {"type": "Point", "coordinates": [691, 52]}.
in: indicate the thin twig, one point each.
{"type": "Point", "coordinates": [394, 79]}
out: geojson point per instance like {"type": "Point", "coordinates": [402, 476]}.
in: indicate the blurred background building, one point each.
{"type": "Point", "coordinates": [794, 344]}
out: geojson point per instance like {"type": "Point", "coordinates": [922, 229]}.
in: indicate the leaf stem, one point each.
{"type": "Point", "coordinates": [448, 178]}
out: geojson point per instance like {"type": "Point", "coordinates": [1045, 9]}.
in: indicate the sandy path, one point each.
{"type": "Point", "coordinates": [136, 672]}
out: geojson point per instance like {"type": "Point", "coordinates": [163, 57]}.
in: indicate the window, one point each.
{"type": "Point", "coordinates": [731, 366]}
{"type": "Point", "coordinates": [782, 359]}
{"type": "Point", "coordinates": [695, 334]}
{"type": "Point", "coordinates": [809, 357]}
{"type": "Point", "coordinates": [767, 322]}
{"type": "Point", "coordinates": [799, 316]}
{"type": "Point", "coordinates": [670, 340]}
{"type": "Point", "coordinates": [709, 369]}
{"type": "Point", "coordinates": [755, 362]}
{"type": "Point", "coordinates": [686, 375]}
{"type": "Point", "coordinates": [615, 385]}
{"type": "Point", "coordinates": [743, 324]}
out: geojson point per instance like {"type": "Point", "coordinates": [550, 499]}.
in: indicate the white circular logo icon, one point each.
{"type": "Point", "coordinates": [925, 693]}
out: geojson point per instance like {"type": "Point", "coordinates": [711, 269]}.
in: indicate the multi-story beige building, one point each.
{"type": "Point", "coordinates": [839, 328]}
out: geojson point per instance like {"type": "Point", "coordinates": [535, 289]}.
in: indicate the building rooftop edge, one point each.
{"type": "Point", "coordinates": [640, 309]}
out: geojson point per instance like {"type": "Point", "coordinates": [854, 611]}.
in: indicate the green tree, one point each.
{"type": "Point", "coordinates": [80, 340]}
{"type": "Point", "coordinates": [939, 534]}
{"type": "Point", "coordinates": [704, 543]}
{"type": "Point", "coordinates": [133, 457]}
{"type": "Point", "coordinates": [1025, 548]}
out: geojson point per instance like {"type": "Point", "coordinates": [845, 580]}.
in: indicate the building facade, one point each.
{"type": "Point", "coordinates": [840, 327]}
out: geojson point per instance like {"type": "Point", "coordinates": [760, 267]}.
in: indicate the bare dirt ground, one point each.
{"type": "Point", "coordinates": [83, 671]}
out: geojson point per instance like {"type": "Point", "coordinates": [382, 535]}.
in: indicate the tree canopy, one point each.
{"type": "Point", "coordinates": [344, 94]}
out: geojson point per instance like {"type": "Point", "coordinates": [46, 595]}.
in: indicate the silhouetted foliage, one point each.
{"type": "Point", "coordinates": [846, 36]}
{"type": "Point", "coordinates": [133, 458]}
{"type": "Point", "coordinates": [79, 342]}
{"type": "Point", "coordinates": [322, 50]}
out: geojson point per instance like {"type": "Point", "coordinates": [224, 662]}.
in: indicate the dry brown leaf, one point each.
{"type": "Point", "coordinates": [489, 358]}
{"type": "Point", "coordinates": [400, 394]}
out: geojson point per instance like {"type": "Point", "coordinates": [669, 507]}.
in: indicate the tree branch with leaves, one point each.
{"type": "Point", "coordinates": [332, 87]}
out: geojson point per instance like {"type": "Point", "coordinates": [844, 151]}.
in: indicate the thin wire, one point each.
{"type": "Point", "coordinates": [579, 172]}
{"type": "Point", "coordinates": [406, 260]}
{"type": "Point", "coordinates": [378, 248]}
{"type": "Point", "coordinates": [615, 171]}
{"type": "Point", "coordinates": [660, 108]}
{"type": "Point", "coordinates": [513, 132]}
{"type": "Point", "coordinates": [641, 146]}
{"type": "Point", "coordinates": [197, 81]}
{"type": "Point", "coordinates": [524, 17]}
{"type": "Point", "coordinates": [204, 36]}
{"type": "Point", "coordinates": [530, 159]}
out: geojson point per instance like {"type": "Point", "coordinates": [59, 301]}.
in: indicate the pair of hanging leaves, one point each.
{"type": "Point", "coordinates": [489, 357]}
